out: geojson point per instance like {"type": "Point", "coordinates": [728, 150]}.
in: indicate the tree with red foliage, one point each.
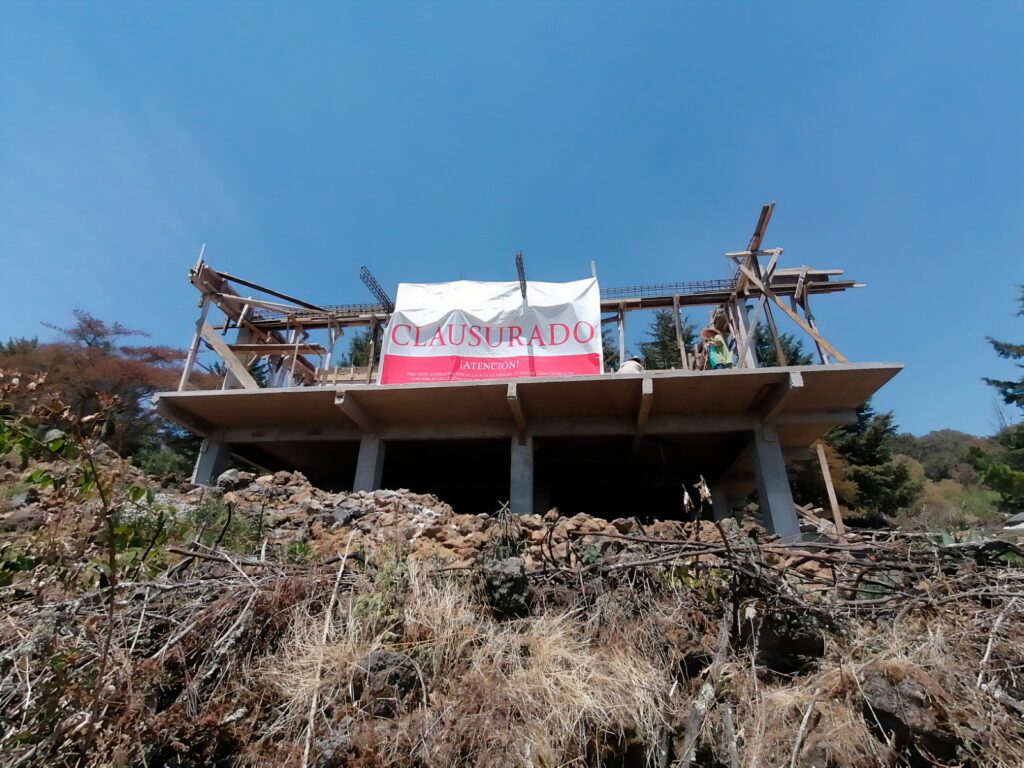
{"type": "Point", "coordinates": [90, 360]}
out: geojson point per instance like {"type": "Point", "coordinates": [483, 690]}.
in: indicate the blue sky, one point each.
{"type": "Point", "coordinates": [431, 141]}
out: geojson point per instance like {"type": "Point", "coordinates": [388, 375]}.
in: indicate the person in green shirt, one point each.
{"type": "Point", "coordinates": [719, 354]}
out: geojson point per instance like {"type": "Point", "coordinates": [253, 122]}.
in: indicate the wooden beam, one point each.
{"type": "Point", "coordinates": [793, 315]}
{"type": "Point", "coordinates": [806, 304]}
{"type": "Point", "coordinates": [277, 349]}
{"type": "Point", "coordinates": [373, 351]}
{"type": "Point", "coordinates": [761, 227]}
{"type": "Point", "coordinates": [238, 370]}
{"type": "Point", "coordinates": [622, 334]}
{"type": "Point", "coordinates": [346, 401]}
{"type": "Point", "coordinates": [193, 350]}
{"type": "Point", "coordinates": [679, 333]}
{"type": "Point", "coordinates": [830, 489]}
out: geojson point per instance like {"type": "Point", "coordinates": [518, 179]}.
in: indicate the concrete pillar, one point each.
{"type": "Point", "coordinates": [369, 464]}
{"type": "Point", "coordinates": [720, 507]}
{"type": "Point", "coordinates": [521, 477]}
{"type": "Point", "coordinates": [773, 492]}
{"type": "Point", "coordinates": [214, 456]}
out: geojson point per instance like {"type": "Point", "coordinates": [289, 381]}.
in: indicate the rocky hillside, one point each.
{"type": "Point", "coordinates": [267, 622]}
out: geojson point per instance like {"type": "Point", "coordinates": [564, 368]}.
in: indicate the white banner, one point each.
{"type": "Point", "coordinates": [468, 330]}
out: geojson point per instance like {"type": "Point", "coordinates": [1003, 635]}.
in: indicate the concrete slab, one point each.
{"type": "Point", "coordinates": [702, 419]}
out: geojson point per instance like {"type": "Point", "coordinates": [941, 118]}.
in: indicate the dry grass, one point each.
{"type": "Point", "coordinates": [535, 691]}
{"type": "Point", "coordinates": [266, 665]}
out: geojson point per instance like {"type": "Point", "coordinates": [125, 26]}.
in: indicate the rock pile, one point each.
{"type": "Point", "coordinates": [291, 509]}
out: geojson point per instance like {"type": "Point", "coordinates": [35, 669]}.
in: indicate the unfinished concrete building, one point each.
{"type": "Point", "coordinates": [612, 443]}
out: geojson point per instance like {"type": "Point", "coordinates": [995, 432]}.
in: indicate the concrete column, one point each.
{"type": "Point", "coordinates": [773, 492]}
{"type": "Point", "coordinates": [521, 477]}
{"type": "Point", "coordinates": [370, 464]}
{"type": "Point", "coordinates": [720, 507]}
{"type": "Point", "coordinates": [214, 456]}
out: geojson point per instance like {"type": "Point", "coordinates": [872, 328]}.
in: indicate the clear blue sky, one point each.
{"type": "Point", "coordinates": [431, 141]}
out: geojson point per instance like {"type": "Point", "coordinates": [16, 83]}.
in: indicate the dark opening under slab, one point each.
{"type": "Point", "coordinates": [470, 475]}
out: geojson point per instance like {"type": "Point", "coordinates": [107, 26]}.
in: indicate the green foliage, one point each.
{"type": "Point", "coordinates": [379, 612]}
{"type": "Point", "coordinates": [164, 461]}
{"type": "Point", "coordinates": [18, 346]}
{"type": "Point", "coordinates": [942, 453]}
{"type": "Point", "coordinates": [140, 534]}
{"type": "Point", "coordinates": [507, 538]}
{"type": "Point", "coordinates": [791, 345]}
{"type": "Point", "coordinates": [259, 369]}
{"type": "Point", "coordinates": [15, 557]}
{"type": "Point", "coordinates": [610, 346]}
{"type": "Point", "coordinates": [1012, 392]}
{"type": "Point", "coordinates": [661, 350]}
{"type": "Point", "coordinates": [359, 351]}
{"type": "Point", "coordinates": [214, 523]}
{"type": "Point", "coordinates": [298, 552]}
{"type": "Point", "coordinates": [868, 449]}
{"type": "Point", "coordinates": [1002, 468]}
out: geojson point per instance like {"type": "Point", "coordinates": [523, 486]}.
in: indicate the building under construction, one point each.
{"type": "Point", "coordinates": [613, 443]}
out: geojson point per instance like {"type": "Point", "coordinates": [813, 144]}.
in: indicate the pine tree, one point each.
{"type": "Point", "coordinates": [1002, 470]}
{"type": "Point", "coordinates": [611, 350]}
{"type": "Point", "coordinates": [359, 351]}
{"type": "Point", "coordinates": [1012, 391]}
{"type": "Point", "coordinates": [869, 448]}
{"type": "Point", "coordinates": [791, 345]}
{"type": "Point", "coordinates": [662, 351]}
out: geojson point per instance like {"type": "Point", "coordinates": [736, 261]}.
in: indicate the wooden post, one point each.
{"type": "Point", "coordinates": [193, 350]}
{"type": "Point", "coordinates": [373, 350]}
{"type": "Point", "coordinates": [780, 353]}
{"type": "Point", "coordinates": [793, 315]}
{"type": "Point", "coordinates": [805, 303]}
{"type": "Point", "coordinates": [679, 333]}
{"type": "Point", "coordinates": [230, 359]}
{"type": "Point", "coordinates": [622, 335]}
{"type": "Point", "coordinates": [837, 518]}
{"type": "Point", "coordinates": [295, 354]}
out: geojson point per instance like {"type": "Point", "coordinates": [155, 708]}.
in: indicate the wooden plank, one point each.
{"type": "Point", "coordinates": [193, 350]}
{"type": "Point", "coordinates": [830, 489]}
{"type": "Point", "coordinates": [794, 316]}
{"type": "Point", "coordinates": [277, 349]}
{"type": "Point", "coordinates": [773, 330]}
{"type": "Point", "coordinates": [373, 351]}
{"type": "Point", "coordinates": [679, 333]}
{"type": "Point", "coordinates": [622, 334]}
{"type": "Point", "coordinates": [805, 303]}
{"type": "Point", "coordinates": [761, 227]}
{"type": "Point", "coordinates": [234, 365]}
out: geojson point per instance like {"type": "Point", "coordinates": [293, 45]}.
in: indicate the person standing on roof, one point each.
{"type": "Point", "coordinates": [719, 354]}
{"type": "Point", "coordinates": [633, 365]}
